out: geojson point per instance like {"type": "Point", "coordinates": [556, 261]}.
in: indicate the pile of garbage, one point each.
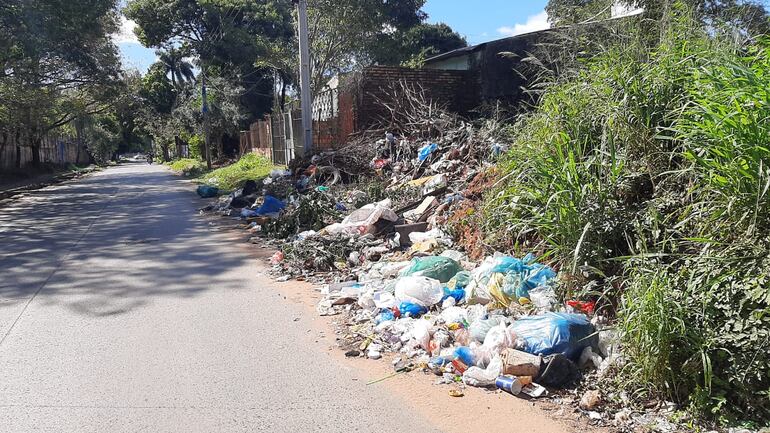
{"type": "Point", "coordinates": [370, 222]}
{"type": "Point", "coordinates": [497, 324]}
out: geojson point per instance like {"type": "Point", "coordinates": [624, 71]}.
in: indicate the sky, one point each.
{"type": "Point", "coordinates": [479, 21]}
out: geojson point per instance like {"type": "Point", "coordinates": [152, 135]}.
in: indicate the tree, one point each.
{"type": "Point", "coordinates": [746, 15]}
{"type": "Point", "coordinates": [181, 70]}
{"type": "Point", "coordinates": [59, 63]}
{"type": "Point", "coordinates": [224, 36]}
{"type": "Point", "coordinates": [418, 43]}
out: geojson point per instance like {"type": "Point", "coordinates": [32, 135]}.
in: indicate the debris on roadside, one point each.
{"type": "Point", "coordinates": [369, 222]}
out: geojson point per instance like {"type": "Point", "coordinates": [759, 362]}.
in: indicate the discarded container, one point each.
{"type": "Point", "coordinates": [509, 384]}
{"type": "Point", "coordinates": [518, 363]}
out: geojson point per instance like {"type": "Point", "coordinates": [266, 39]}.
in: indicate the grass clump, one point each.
{"type": "Point", "coordinates": [249, 167]}
{"type": "Point", "coordinates": [189, 167]}
{"type": "Point", "coordinates": [646, 177]}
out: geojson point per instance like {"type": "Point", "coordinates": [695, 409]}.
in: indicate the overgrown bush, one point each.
{"type": "Point", "coordinates": [250, 167]}
{"type": "Point", "coordinates": [647, 174]}
{"type": "Point", "coordinates": [191, 167]}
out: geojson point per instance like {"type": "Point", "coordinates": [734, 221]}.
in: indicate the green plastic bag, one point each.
{"type": "Point", "coordinates": [460, 281]}
{"type": "Point", "coordinates": [436, 267]}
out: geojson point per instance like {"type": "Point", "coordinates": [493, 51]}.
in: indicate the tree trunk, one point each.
{"type": "Point", "coordinates": [166, 157]}
{"type": "Point", "coordinates": [36, 143]}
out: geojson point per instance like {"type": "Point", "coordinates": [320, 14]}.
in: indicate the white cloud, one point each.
{"type": "Point", "coordinates": [533, 24]}
{"type": "Point", "coordinates": [125, 34]}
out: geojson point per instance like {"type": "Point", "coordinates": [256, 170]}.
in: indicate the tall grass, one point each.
{"type": "Point", "coordinates": [647, 173]}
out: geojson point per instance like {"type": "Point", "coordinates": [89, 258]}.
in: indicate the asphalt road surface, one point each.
{"type": "Point", "coordinates": [122, 311]}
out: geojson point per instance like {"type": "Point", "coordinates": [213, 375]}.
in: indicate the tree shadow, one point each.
{"type": "Point", "coordinates": [115, 242]}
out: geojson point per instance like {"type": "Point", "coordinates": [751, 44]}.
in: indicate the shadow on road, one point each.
{"type": "Point", "coordinates": [111, 243]}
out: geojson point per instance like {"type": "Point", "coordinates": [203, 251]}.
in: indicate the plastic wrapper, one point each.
{"type": "Point", "coordinates": [553, 333]}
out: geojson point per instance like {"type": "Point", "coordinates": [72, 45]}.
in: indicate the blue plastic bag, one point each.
{"type": "Point", "coordinates": [522, 275]}
{"type": "Point", "coordinates": [457, 294]}
{"type": "Point", "coordinates": [465, 354]}
{"type": "Point", "coordinates": [409, 309]}
{"type": "Point", "coordinates": [271, 206]}
{"type": "Point", "coordinates": [206, 191]}
{"type": "Point", "coordinates": [385, 316]}
{"type": "Point", "coordinates": [426, 150]}
{"type": "Point", "coordinates": [553, 333]}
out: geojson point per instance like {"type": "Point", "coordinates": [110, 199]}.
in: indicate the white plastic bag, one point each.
{"type": "Point", "coordinates": [362, 221]}
{"type": "Point", "coordinates": [454, 315]}
{"type": "Point", "coordinates": [421, 334]}
{"type": "Point", "coordinates": [483, 377]}
{"type": "Point", "coordinates": [419, 290]}
{"type": "Point", "coordinates": [384, 300]}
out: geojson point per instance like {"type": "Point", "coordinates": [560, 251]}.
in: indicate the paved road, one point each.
{"type": "Point", "coordinates": [121, 311]}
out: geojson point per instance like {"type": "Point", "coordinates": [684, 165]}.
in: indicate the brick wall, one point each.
{"type": "Point", "coordinates": [457, 90]}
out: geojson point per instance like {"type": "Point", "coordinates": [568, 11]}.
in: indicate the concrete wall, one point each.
{"type": "Point", "coordinates": [15, 152]}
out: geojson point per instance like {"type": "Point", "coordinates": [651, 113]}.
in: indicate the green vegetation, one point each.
{"type": "Point", "coordinates": [645, 177]}
{"type": "Point", "coordinates": [188, 167]}
{"type": "Point", "coordinates": [250, 167]}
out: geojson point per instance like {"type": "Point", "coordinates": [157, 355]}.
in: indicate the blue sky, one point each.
{"type": "Point", "coordinates": [479, 21]}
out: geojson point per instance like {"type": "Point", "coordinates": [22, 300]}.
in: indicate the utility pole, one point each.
{"type": "Point", "coordinates": [206, 121]}
{"type": "Point", "coordinates": [304, 76]}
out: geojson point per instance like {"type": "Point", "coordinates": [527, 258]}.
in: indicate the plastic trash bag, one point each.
{"type": "Point", "coordinates": [362, 221]}
{"type": "Point", "coordinates": [426, 150]}
{"type": "Point", "coordinates": [385, 316]}
{"type": "Point", "coordinates": [480, 328]}
{"type": "Point", "coordinates": [206, 191]}
{"type": "Point", "coordinates": [498, 338]}
{"type": "Point", "coordinates": [436, 267]}
{"type": "Point", "coordinates": [454, 315]}
{"type": "Point", "coordinates": [408, 309]}
{"type": "Point", "coordinates": [419, 290]}
{"type": "Point", "coordinates": [484, 377]}
{"type": "Point", "coordinates": [384, 300]}
{"type": "Point", "coordinates": [457, 295]}
{"type": "Point", "coordinates": [505, 279]}
{"type": "Point", "coordinates": [460, 280]}
{"type": "Point", "coordinates": [543, 298]}
{"type": "Point", "coordinates": [421, 333]}
{"type": "Point", "coordinates": [552, 333]}
{"type": "Point", "coordinates": [271, 206]}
